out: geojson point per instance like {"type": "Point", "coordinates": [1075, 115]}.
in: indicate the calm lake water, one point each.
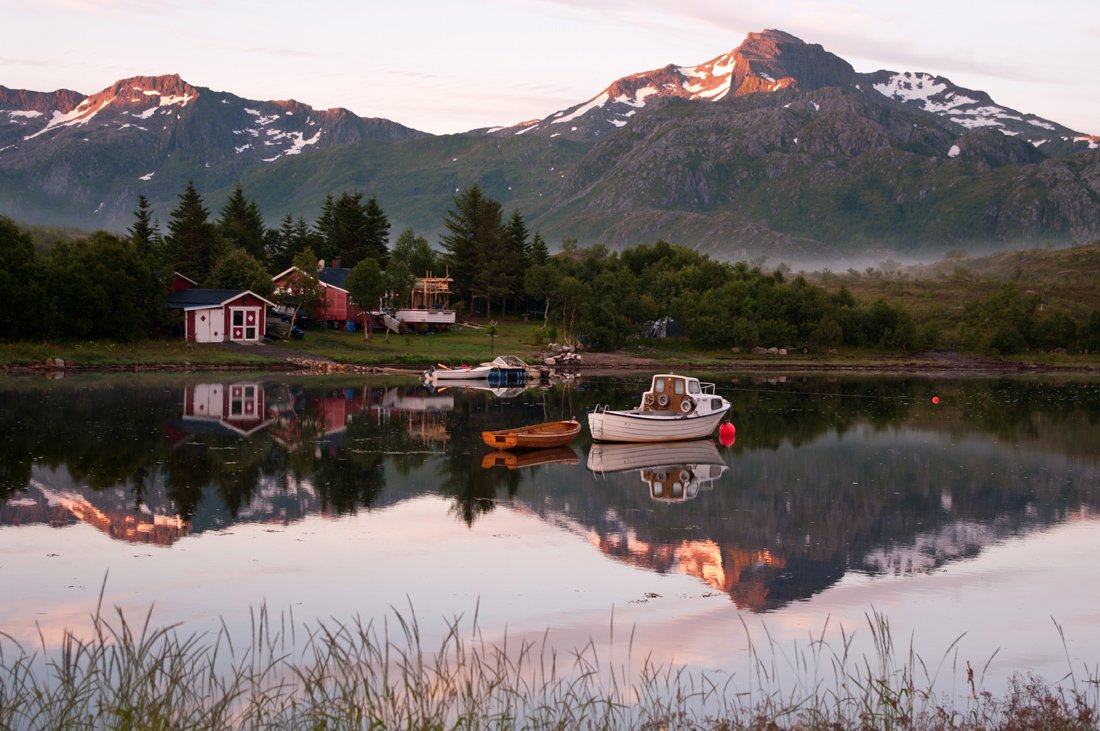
{"type": "Point", "coordinates": [209, 497]}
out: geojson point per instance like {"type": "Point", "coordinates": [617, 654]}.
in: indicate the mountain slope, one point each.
{"type": "Point", "coordinates": [771, 61]}
{"type": "Point", "coordinates": [846, 170]}
{"type": "Point", "coordinates": [777, 147]}
{"type": "Point", "coordinates": [87, 158]}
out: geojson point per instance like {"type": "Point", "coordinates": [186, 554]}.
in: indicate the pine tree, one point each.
{"type": "Point", "coordinates": [241, 223]}
{"type": "Point", "coordinates": [475, 241]}
{"type": "Point", "coordinates": [141, 233]}
{"type": "Point", "coordinates": [279, 245]}
{"type": "Point", "coordinates": [325, 227]}
{"type": "Point", "coordinates": [516, 236]}
{"type": "Point", "coordinates": [539, 254]}
{"type": "Point", "coordinates": [376, 232]}
{"type": "Point", "coordinates": [352, 230]}
{"type": "Point", "coordinates": [191, 237]}
{"type": "Point", "coordinates": [494, 276]}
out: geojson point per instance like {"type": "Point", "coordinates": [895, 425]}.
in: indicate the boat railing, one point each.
{"type": "Point", "coordinates": [706, 388]}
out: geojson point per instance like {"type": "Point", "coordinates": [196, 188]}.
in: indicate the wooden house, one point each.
{"type": "Point", "coordinates": [335, 306]}
{"type": "Point", "coordinates": [221, 315]}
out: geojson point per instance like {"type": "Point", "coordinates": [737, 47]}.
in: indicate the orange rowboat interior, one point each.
{"type": "Point", "coordinates": [537, 436]}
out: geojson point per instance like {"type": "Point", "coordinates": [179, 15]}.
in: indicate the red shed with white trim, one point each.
{"type": "Point", "coordinates": [221, 315]}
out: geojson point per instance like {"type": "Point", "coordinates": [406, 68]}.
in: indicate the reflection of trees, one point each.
{"type": "Point", "coordinates": [473, 489]}
{"type": "Point", "coordinates": [785, 521]}
{"type": "Point", "coordinates": [104, 435]}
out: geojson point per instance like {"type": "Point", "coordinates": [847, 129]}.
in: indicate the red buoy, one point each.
{"type": "Point", "coordinates": [935, 399]}
{"type": "Point", "coordinates": [727, 434]}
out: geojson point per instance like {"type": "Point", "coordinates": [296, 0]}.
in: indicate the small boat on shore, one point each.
{"type": "Point", "coordinates": [504, 370]}
{"type": "Point", "coordinates": [536, 436]}
{"type": "Point", "coordinates": [673, 409]}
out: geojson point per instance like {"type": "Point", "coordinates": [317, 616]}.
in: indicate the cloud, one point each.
{"type": "Point", "coordinates": [285, 52]}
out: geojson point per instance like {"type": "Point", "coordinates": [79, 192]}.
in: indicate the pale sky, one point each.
{"type": "Point", "coordinates": [449, 66]}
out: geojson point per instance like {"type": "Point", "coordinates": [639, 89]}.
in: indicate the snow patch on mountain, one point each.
{"type": "Point", "coordinates": [918, 87]}
{"type": "Point", "coordinates": [79, 115]}
{"type": "Point", "coordinates": [599, 101]}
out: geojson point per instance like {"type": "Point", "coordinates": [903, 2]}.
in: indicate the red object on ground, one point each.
{"type": "Point", "coordinates": [935, 399]}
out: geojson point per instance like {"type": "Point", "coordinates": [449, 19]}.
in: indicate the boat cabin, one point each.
{"type": "Point", "coordinates": [676, 394]}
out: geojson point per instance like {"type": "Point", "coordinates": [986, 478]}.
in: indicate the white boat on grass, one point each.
{"type": "Point", "coordinates": [504, 369]}
{"type": "Point", "coordinates": [673, 409]}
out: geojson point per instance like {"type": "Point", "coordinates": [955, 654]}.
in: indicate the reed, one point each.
{"type": "Point", "coordinates": [366, 675]}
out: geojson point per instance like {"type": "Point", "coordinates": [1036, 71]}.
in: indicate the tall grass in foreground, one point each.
{"type": "Point", "coordinates": [364, 676]}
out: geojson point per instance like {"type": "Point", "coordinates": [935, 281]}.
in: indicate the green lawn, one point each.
{"type": "Point", "coordinates": [458, 345]}
{"type": "Point", "coordinates": [461, 344]}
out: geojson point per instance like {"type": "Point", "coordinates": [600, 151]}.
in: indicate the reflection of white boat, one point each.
{"type": "Point", "coordinates": [619, 457]}
{"type": "Point", "coordinates": [476, 385]}
{"type": "Point", "coordinates": [674, 408]}
{"type": "Point", "coordinates": [506, 370]}
{"type": "Point", "coordinates": [674, 471]}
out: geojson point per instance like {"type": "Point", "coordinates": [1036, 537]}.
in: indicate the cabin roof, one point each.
{"type": "Point", "coordinates": [197, 299]}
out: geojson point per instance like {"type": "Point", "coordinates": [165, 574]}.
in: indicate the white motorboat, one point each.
{"type": "Point", "coordinates": [506, 370]}
{"type": "Point", "coordinates": [673, 409]}
{"type": "Point", "coordinates": [674, 471]}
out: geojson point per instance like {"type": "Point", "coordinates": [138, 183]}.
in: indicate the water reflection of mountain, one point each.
{"type": "Point", "coordinates": [784, 524]}
{"type": "Point", "coordinates": [826, 477]}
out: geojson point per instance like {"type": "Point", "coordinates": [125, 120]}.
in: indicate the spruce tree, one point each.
{"type": "Point", "coordinates": [141, 233]}
{"type": "Point", "coordinates": [473, 227]}
{"type": "Point", "coordinates": [539, 253]}
{"type": "Point", "coordinates": [376, 232]}
{"type": "Point", "coordinates": [241, 223]}
{"type": "Point", "coordinates": [191, 237]}
{"type": "Point", "coordinates": [325, 227]}
{"type": "Point", "coordinates": [516, 236]}
{"type": "Point", "coordinates": [280, 245]}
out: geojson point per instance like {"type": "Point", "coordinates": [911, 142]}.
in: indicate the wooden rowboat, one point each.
{"type": "Point", "coordinates": [537, 436]}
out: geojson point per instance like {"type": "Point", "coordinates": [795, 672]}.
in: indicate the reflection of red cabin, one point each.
{"type": "Point", "coordinates": [336, 305]}
{"type": "Point", "coordinates": [238, 407]}
{"type": "Point", "coordinates": [329, 414]}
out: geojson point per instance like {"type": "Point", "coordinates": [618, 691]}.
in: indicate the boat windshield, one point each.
{"type": "Point", "coordinates": [693, 386]}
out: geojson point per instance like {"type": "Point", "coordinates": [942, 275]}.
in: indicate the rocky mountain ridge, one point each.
{"type": "Point", "coordinates": [772, 61]}
{"type": "Point", "coordinates": [777, 148]}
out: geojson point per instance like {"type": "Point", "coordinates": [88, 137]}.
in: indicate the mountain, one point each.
{"type": "Point", "coordinates": [771, 61]}
{"type": "Point", "coordinates": [64, 153]}
{"type": "Point", "coordinates": [776, 148]}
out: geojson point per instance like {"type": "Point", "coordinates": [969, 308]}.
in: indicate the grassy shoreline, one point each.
{"type": "Point", "coordinates": [473, 344]}
{"type": "Point", "coordinates": [352, 675]}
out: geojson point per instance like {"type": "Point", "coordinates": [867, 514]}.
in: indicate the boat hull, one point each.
{"type": "Point", "coordinates": [461, 374]}
{"type": "Point", "coordinates": [628, 426]}
{"type": "Point", "coordinates": [540, 436]}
